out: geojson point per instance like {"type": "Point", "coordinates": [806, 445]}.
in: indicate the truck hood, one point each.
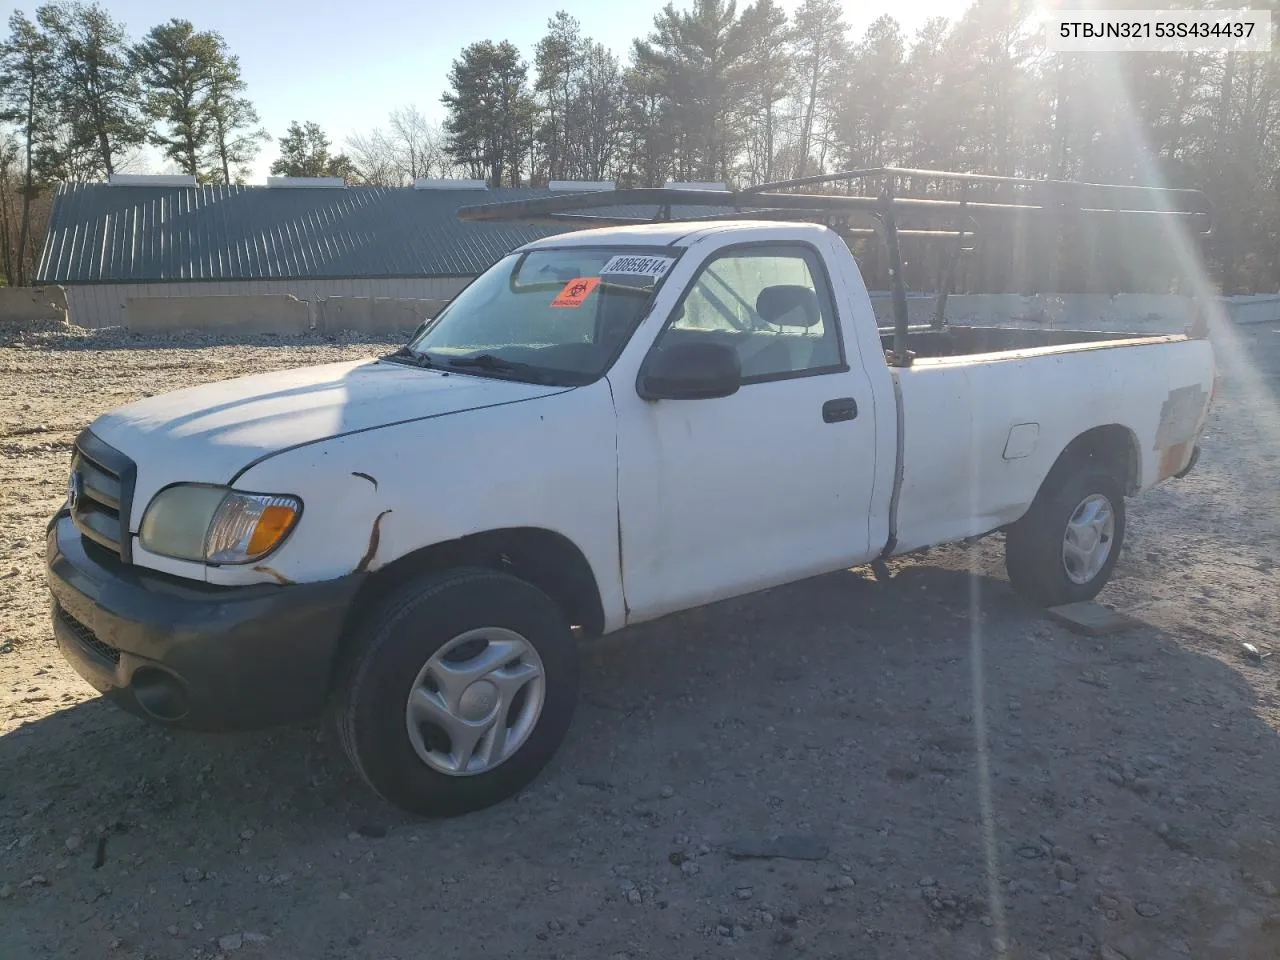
{"type": "Point", "coordinates": [211, 432]}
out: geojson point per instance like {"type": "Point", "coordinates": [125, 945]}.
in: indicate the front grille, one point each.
{"type": "Point", "coordinates": [101, 492]}
{"type": "Point", "coordinates": [88, 639]}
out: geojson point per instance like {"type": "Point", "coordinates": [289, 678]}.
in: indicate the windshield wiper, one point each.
{"type": "Point", "coordinates": [407, 354]}
{"type": "Point", "coordinates": [495, 364]}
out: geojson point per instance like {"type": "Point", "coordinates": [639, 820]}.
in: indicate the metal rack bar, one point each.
{"type": "Point", "coordinates": [1103, 203]}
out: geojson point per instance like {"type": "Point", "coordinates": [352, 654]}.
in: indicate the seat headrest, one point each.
{"type": "Point", "coordinates": [788, 305]}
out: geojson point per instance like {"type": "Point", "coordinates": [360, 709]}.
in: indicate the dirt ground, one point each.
{"type": "Point", "coordinates": [985, 783]}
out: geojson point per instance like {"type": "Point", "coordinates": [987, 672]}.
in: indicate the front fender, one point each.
{"type": "Point", "coordinates": [372, 497]}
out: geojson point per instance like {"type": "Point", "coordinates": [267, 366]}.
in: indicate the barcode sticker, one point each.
{"type": "Point", "coordinates": [655, 267]}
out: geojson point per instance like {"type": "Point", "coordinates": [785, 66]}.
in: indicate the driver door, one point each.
{"type": "Point", "coordinates": [719, 497]}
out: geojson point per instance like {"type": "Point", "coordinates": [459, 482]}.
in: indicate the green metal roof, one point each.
{"type": "Point", "coordinates": [111, 233]}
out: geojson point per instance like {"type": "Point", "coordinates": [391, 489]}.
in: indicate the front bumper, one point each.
{"type": "Point", "coordinates": [189, 654]}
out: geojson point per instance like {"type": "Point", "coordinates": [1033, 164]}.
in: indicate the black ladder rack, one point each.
{"type": "Point", "coordinates": [878, 209]}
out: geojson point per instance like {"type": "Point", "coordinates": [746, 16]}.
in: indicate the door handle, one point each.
{"type": "Point", "coordinates": [839, 410]}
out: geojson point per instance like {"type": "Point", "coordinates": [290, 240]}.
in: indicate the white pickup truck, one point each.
{"type": "Point", "coordinates": [605, 427]}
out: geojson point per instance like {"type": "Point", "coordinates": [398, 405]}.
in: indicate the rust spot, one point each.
{"type": "Point", "coordinates": [374, 536]}
{"type": "Point", "coordinates": [1172, 458]}
{"type": "Point", "coordinates": [373, 480]}
{"type": "Point", "coordinates": [272, 572]}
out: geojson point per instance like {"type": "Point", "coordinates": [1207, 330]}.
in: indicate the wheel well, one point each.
{"type": "Point", "coordinates": [1113, 446]}
{"type": "Point", "coordinates": [548, 560]}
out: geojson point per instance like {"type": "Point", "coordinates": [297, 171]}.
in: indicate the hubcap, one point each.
{"type": "Point", "coordinates": [475, 702]}
{"type": "Point", "coordinates": [478, 701]}
{"type": "Point", "coordinates": [1088, 540]}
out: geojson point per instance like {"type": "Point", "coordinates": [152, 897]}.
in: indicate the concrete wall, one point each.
{"type": "Point", "coordinates": [33, 304]}
{"type": "Point", "coordinates": [372, 314]}
{"type": "Point", "coordinates": [1264, 308]}
{"type": "Point", "coordinates": [344, 313]}
{"type": "Point", "coordinates": [276, 313]}
{"type": "Point", "coordinates": [96, 305]}
{"type": "Point", "coordinates": [1130, 313]}
{"type": "Point", "coordinates": [219, 315]}
{"type": "Point", "coordinates": [1127, 312]}
{"type": "Point", "coordinates": [394, 305]}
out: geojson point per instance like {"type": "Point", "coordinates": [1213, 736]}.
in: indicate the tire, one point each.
{"type": "Point", "coordinates": [1036, 550]}
{"type": "Point", "coordinates": [453, 615]}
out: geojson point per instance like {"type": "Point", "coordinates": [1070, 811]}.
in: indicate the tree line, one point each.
{"type": "Point", "coordinates": [750, 95]}
{"type": "Point", "coordinates": [79, 99]}
{"type": "Point", "coordinates": [713, 92]}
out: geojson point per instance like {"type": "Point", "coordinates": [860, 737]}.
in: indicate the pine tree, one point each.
{"type": "Point", "coordinates": [821, 48]}
{"type": "Point", "coordinates": [579, 98]}
{"type": "Point", "coordinates": [875, 81]}
{"type": "Point", "coordinates": [647, 142]}
{"type": "Point", "coordinates": [491, 112]}
{"type": "Point", "coordinates": [558, 62]}
{"type": "Point", "coordinates": [236, 137]}
{"type": "Point", "coordinates": [696, 57]}
{"type": "Point", "coordinates": [595, 114]}
{"type": "Point", "coordinates": [762, 84]}
{"type": "Point", "coordinates": [177, 67]}
{"type": "Point", "coordinates": [99, 93]}
{"type": "Point", "coordinates": [928, 128]}
{"type": "Point", "coordinates": [305, 152]}
{"type": "Point", "coordinates": [28, 99]}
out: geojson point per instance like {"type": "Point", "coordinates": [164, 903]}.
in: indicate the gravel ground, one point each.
{"type": "Point", "coordinates": [979, 781]}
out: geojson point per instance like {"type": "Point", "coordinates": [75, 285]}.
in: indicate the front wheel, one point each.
{"type": "Point", "coordinates": [460, 689]}
{"type": "Point", "coordinates": [1065, 547]}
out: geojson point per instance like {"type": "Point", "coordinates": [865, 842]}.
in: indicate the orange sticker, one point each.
{"type": "Point", "coordinates": [575, 292]}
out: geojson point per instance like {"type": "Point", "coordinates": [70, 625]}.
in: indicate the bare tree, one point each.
{"type": "Point", "coordinates": [418, 144]}
{"type": "Point", "coordinates": [410, 147]}
{"type": "Point", "coordinates": [373, 159]}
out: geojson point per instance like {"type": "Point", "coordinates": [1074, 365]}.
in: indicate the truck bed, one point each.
{"type": "Point", "coordinates": [959, 341]}
{"type": "Point", "coordinates": [981, 431]}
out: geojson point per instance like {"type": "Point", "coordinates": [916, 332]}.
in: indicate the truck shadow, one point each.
{"type": "Point", "coordinates": [934, 724]}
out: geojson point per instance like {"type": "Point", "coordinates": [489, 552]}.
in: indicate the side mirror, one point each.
{"type": "Point", "coordinates": [691, 371]}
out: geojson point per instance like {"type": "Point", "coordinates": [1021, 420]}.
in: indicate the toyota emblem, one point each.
{"type": "Point", "coordinates": [75, 487]}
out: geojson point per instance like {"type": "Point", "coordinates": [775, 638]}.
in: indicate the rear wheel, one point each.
{"type": "Point", "coordinates": [459, 690]}
{"type": "Point", "coordinates": [1065, 547]}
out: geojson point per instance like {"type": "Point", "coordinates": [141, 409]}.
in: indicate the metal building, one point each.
{"type": "Point", "coordinates": [160, 236]}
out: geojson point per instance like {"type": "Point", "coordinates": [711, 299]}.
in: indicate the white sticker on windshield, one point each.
{"type": "Point", "coordinates": [655, 267]}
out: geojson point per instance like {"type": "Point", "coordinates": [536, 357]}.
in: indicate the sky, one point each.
{"type": "Point", "coordinates": [347, 65]}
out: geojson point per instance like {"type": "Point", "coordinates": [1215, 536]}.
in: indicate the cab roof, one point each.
{"type": "Point", "coordinates": [672, 233]}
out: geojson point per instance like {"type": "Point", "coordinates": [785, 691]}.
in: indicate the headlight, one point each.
{"type": "Point", "coordinates": [208, 524]}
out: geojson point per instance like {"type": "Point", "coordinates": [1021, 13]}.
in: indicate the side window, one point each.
{"type": "Point", "coordinates": [771, 303]}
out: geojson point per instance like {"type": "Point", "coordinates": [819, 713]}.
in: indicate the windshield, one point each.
{"type": "Point", "coordinates": [554, 316]}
